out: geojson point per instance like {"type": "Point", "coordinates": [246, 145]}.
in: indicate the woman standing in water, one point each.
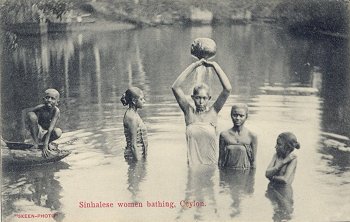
{"type": "Point", "coordinates": [281, 173]}
{"type": "Point", "coordinates": [284, 162]}
{"type": "Point", "coordinates": [238, 145]}
{"type": "Point", "coordinates": [201, 120]}
{"type": "Point", "coordinates": [134, 129]}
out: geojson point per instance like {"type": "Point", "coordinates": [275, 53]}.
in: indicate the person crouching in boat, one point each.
{"type": "Point", "coordinates": [41, 121]}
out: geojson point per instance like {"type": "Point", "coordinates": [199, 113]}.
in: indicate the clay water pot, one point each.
{"type": "Point", "coordinates": [203, 48]}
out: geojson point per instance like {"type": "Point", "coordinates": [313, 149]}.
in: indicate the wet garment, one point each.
{"type": "Point", "coordinates": [141, 140]}
{"type": "Point", "coordinates": [201, 143]}
{"type": "Point", "coordinates": [238, 156]}
{"type": "Point", "coordinates": [41, 133]}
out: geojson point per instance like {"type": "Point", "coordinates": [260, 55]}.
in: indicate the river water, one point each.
{"type": "Point", "coordinates": [291, 83]}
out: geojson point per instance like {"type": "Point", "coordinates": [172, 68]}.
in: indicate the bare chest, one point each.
{"type": "Point", "coordinates": [209, 116]}
{"type": "Point", "coordinates": [238, 138]}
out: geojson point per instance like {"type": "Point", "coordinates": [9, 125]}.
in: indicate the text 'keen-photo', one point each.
{"type": "Point", "coordinates": [183, 110]}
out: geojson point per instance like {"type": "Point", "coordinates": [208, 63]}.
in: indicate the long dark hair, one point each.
{"type": "Point", "coordinates": [130, 94]}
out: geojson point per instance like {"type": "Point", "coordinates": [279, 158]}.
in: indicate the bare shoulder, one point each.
{"type": "Point", "coordinates": [295, 157]}
{"type": "Point", "coordinates": [37, 108]}
{"type": "Point", "coordinates": [252, 134]}
{"type": "Point", "coordinates": [130, 118]}
{"type": "Point", "coordinates": [293, 163]}
{"type": "Point", "coordinates": [40, 106]}
{"type": "Point", "coordinates": [57, 110]}
{"type": "Point", "coordinates": [225, 134]}
{"type": "Point", "coordinates": [129, 115]}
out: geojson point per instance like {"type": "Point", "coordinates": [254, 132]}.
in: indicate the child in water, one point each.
{"type": "Point", "coordinates": [42, 119]}
{"type": "Point", "coordinates": [135, 130]}
{"type": "Point", "coordinates": [201, 120]}
{"type": "Point", "coordinates": [238, 145]}
{"type": "Point", "coordinates": [284, 162]}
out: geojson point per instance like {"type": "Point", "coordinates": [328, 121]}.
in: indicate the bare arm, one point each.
{"type": "Point", "coordinates": [130, 121]}
{"type": "Point", "coordinates": [145, 143]}
{"type": "Point", "coordinates": [225, 82]}
{"type": "Point", "coordinates": [285, 179]}
{"type": "Point", "coordinates": [53, 123]}
{"type": "Point", "coordinates": [273, 169]}
{"type": "Point", "coordinates": [176, 87]}
{"type": "Point", "coordinates": [222, 146]}
{"type": "Point", "coordinates": [254, 145]}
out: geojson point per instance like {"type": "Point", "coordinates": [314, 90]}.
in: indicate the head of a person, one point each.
{"type": "Point", "coordinates": [133, 97]}
{"type": "Point", "coordinates": [286, 143]}
{"type": "Point", "coordinates": [239, 114]}
{"type": "Point", "coordinates": [201, 96]}
{"type": "Point", "coordinates": [51, 98]}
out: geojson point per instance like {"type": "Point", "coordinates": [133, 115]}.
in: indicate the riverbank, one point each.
{"type": "Point", "coordinates": [301, 17]}
{"type": "Point", "coordinates": [101, 25]}
{"type": "Point", "coordinates": [327, 18]}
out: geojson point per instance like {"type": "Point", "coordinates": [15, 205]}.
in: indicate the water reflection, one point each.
{"type": "Point", "coordinates": [239, 184]}
{"type": "Point", "coordinates": [92, 70]}
{"type": "Point", "coordinates": [200, 188]}
{"type": "Point", "coordinates": [32, 189]}
{"type": "Point", "coordinates": [136, 174]}
{"type": "Point", "coordinates": [336, 151]}
{"type": "Point", "coordinates": [281, 197]}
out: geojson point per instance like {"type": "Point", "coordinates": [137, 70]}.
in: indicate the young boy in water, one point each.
{"type": "Point", "coordinates": [42, 119]}
{"type": "Point", "coordinates": [238, 145]}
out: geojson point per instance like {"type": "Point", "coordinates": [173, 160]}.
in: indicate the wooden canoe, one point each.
{"type": "Point", "coordinates": [22, 154]}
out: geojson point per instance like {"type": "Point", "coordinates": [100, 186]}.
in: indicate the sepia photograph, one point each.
{"type": "Point", "coordinates": [175, 110]}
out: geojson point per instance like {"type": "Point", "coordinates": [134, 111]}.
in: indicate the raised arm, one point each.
{"type": "Point", "coordinates": [176, 87]}
{"type": "Point", "coordinates": [130, 122]}
{"type": "Point", "coordinates": [225, 82]}
{"type": "Point", "coordinates": [53, 123]}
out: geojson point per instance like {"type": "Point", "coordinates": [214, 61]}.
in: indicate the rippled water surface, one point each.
{"type": "Point", "coordinates": [92, 70]}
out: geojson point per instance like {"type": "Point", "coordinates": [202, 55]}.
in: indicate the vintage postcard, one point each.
{"type": "Point", "coordinates": [151, 110]}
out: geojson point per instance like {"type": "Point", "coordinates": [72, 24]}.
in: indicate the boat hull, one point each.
{"type": "Point", "coordinates": [22, 154]}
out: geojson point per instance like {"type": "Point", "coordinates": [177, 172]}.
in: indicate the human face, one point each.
{"type": "Point", "coordinates": [139, 102]}
{"type": "Point", "coordinates": [51, 100]}
{"type": "Point", "coordinates": [239, 116]}
{"type": "Point", "coordinates": [201, 99]}
{"type": "Point", "coordinates": [281, 148]}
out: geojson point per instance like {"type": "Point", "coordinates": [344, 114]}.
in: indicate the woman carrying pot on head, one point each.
{"type": "Point", "coordinates": [201, 119]}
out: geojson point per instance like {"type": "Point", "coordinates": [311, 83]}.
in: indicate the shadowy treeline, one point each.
{"type": "Point", "coordinates": [322, 15]}
{"type": "Point", "coordinates": [178, 11]}
{"type": "Point", "coordinates": [305, 16]}
{"type": "Point", "coordinates": [312, 16]}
